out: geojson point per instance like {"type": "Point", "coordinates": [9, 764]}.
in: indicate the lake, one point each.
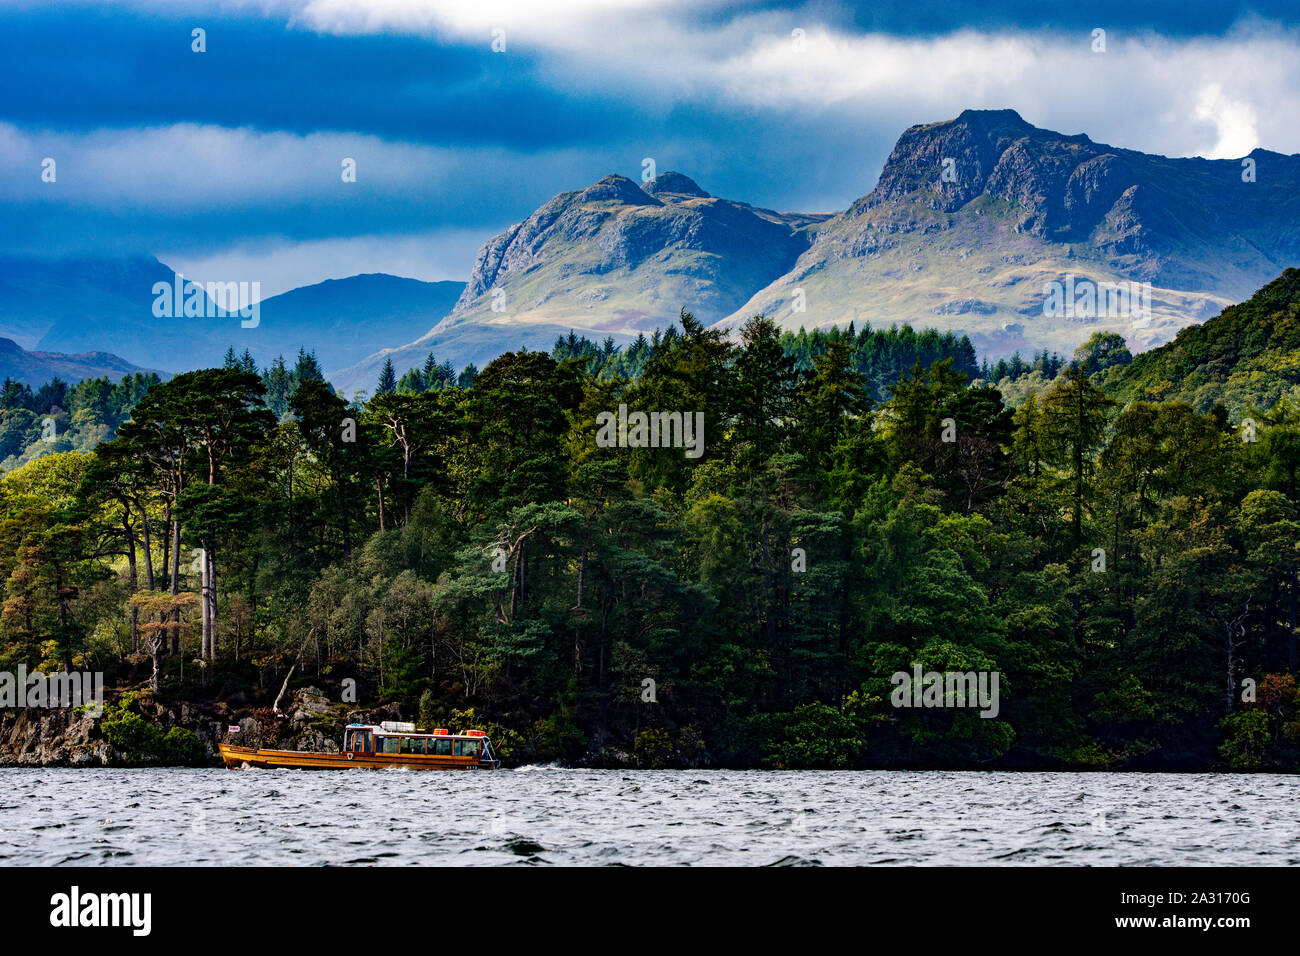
{"type": "Point", "coordinates": [541, 815]}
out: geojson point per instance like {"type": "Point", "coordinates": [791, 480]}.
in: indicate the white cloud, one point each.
{"type": "Point", "coordinates": [1142, 92]}
{"type": "Point", "coordinates": [187, 167]}
{"type": "Point", "coordinates": [1146, 91]}
{"type": "Point", "coordinates": [1237, 91]}
{"type": "Point", "coordinates": [553, 22]}
{"type": "Point", "coordinates": [191, 166]}
{"type": "Point", "coordinates": [1234, 119]}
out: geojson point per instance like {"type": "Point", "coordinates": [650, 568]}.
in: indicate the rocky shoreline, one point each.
{"type": "Point", "coordinates": [69, 737]}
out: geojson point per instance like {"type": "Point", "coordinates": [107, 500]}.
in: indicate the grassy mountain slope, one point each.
{"type": "Point", "coordinates": [1247, 356]}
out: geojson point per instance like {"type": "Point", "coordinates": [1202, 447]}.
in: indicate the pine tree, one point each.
{"type": "Point", "coordinates": [387, 379]}
{"type": "Point", "coordinates": [307, 368]}
{"type": "Point", "coordinates": [279, 387]}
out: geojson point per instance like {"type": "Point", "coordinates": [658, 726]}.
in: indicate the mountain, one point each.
{"type": "Point", "coordinates": [984, 225]}
{"type": "Point", "coordinates": [973, 220]}
{"type": "Point", "coordinates": [615, 258]}
{"type": "Point", "coordinates": [108, 305]}
{"type": "Point", "coordinates": [1246, 357]}
{"type": "Point", "coordinates": [37, 295]}
{"type": "Point", "coordinates": [37, 368]}
{"type": "Point", "coordinates": [343, 320]}
{"type": "Point", "coordinates": [625, 258]}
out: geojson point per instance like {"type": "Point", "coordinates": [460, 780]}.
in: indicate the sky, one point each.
{"type": "Point", "coordinates": [463, 117]}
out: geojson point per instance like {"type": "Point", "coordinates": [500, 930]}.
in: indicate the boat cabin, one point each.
{"type": "Point", "coordinates": [402, 739]}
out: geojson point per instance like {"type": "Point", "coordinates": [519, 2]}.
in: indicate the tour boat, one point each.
{"type": "Point", "coordinates": [370, 747]}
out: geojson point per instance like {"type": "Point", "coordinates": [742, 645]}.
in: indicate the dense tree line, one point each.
{"type": "Point", "coordinates": [62, 417]}
{"type": "Point", "coordinates": [1124, 568]}
{"type": "Point", "coordinates": [881, 357]}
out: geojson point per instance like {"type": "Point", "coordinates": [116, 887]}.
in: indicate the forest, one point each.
{"type": "Point", "coordinates": [866, 501]}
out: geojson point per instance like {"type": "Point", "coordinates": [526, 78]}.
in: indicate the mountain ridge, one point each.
{"type": "Point", "coordinates": [613, 258]}
{"type": "Point", "coordinates": [988, 202]}
{"type": "Point", "coordinates": [971, 224]}
{"type": "Point", "coordinates": [75, 306]}
{"type": "Point", "coordinates": [35, 368]}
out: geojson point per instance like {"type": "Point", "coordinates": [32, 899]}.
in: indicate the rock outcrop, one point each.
{"type": "Point", "coordinates": [68, 737]}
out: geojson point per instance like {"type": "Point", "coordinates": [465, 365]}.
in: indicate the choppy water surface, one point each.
{"type": "Point", "coordinates": [545, 815]}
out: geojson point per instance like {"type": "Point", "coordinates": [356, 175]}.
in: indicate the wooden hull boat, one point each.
{"type": "Point", "coordinates": [383, 747]}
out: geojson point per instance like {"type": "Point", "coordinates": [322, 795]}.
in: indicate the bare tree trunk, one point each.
{"type": "Point", "coordinates": [146, 534]}
{"type": "Point", "coordinates": [134, 584]}
{"type": "Point", "coordinates": [166, 541]}
{"type": "Point", "coordinates": [1234, 630]}
{"type": "Point", "coordinates": [205, 599]}
{"type": "Point", "coordinates": [155, 644]}
{"type": "Point", "coordinates": [211, 565]}
{"type": "Point", "coordinates": [1291, 621]}
{"type": "Point", "coordinates": [582, 573]}
{"type": "Point", "coordinates": [176, 583]}
{"type": "Point", "coordinates": [283, 687]}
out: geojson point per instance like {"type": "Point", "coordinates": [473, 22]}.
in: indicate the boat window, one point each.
{"type": "Point", "coordinates": [442, 747]}
{"type": "Point", "coordinates": [412, 745]}
{"type": "Point", "coordinates": [467, 748]}
{"type": "Point", "coordinates": [368, 743]}
{"type": "Point", "coordinates": [358, 740]}
{"type": "Point", "coordinates": [390, 744]}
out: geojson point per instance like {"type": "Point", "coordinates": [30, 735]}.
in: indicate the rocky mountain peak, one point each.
{"type": "Point", "coordinates": [673, 185]}
{"type": "Point", "coordinates": [618, 189]}
{"type": "Point", "coordinates": [951, 162]}
{"type": "Point", "coordinates": [1060, 185]}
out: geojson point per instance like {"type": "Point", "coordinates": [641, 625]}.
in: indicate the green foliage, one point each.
{"type": "Point", "coordinates": [816, 737]}
{"type": "Point", "coordinates": [467, 552]}
{"type": "Point", "coordinates": [1103, 350]}
{"type": "Point", "coordinates": [1246, 739]}
{"type": "Point", "coordinates": [1247, 357]}
{"type": "Point", "coordinates": [145, 744]}
{"type": "Point", "coordinates": [59, 417]}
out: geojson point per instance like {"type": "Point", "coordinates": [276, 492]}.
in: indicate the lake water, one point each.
{"type": "Point", "coordinates": [539, 815]}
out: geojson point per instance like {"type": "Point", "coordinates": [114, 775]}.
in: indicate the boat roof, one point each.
{"type": "Point", "coordinates": [381, 732]}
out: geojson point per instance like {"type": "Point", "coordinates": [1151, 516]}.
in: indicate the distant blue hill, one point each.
{"type": "Point", "coordinates": [344, 320]}
{"type": "Point", "coordinates": [103, 305]}
{"type": "Point", "coordinates": [37, 368]}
